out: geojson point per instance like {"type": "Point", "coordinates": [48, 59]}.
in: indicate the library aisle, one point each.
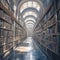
{"type": "Point", "coordinates": [32, 53]}
{"type": "Point", "coordinates": [29, 29]}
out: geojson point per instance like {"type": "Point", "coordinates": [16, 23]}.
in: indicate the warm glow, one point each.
{"type": "Point", "coordinates": [30, 4]}
{"type": "Point", "coordinates": [23, 49]}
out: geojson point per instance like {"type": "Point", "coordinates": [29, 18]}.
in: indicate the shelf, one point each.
{"type": "Point", "coordinates": [4, 19]}
{"type": "Point", "coordinates": [10, 13]}
{"type": "Point", "coordinates": [5, 51]}
{"type": "Point", "coordinates": [46, 11]}
{"type": "Point", "coordinates": [7, 20]}
{"type": "Point", "coordinates": [6, 43]}
{"type": "Point", "coordinates": [5, 29]}
{"type": "Point", "coordinates": [49, 49]}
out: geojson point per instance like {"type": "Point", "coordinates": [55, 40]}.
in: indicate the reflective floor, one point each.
{"type": "Point", "coordinates": [28, 50]}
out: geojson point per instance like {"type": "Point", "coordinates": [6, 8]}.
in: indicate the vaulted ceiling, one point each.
{"type": "Point", "coordinates": [30, 11]}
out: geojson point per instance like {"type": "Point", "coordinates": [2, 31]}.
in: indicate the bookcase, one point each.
{"type": "Point", "coordinates": [7, 29]}
{"type": "Point", "coordinates": [49, 37]}
{"type": "Point", "coordinates": [6, 36]}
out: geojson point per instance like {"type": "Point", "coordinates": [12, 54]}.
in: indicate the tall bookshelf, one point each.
{"type": "Point", "coordinates": [7, 30]}
{"type": "Point", "coordinates": [6, 34]}
{"type": "Point", "coordinates": [58, 24]}
{"type": "Point", "coordinates": [49, 32]}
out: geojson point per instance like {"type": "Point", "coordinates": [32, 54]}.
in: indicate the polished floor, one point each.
{"type": "Point", "coordinates": [28, 50]}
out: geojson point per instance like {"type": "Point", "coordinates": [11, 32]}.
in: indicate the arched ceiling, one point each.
{"type": "Point", "coordinates": [30, 13]}
{"type": "Point", "coordinates": [29, 10]}
{"type": "Point", "coordinates": [30, 18]}
{"type": "Point", "coordinates": [29, 4]}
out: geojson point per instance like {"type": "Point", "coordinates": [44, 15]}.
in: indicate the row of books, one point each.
{"type": "Point", "coordinates": [7, 29]}
{"type": "Point", "coordinates": [4, 16]}
{"type": "Point", "coordinates": [49, 30]}
{"type": "Point", "coordinates": [50, 35]}
{"type": "Point", "coordinates": [52, 29]}
{"type": "Point", "coordinates": [46, 3]}
{"type": "Point", "coordinates": [5, 48]}
{"type": "Point", "coordinates": [9, 4]}
{"type": "Point", "coordinates": [5, 25]}
{"type": "Point", "coordinates": [50, 41]}
{"type": "Point", "coordinates": [49, 14]}
{"type": "Point", "coordinates": [51, 21]}
{"type": "Point", "coordinates": [53, 47]}
{"type": "Point", "coordinates": [5, 37]}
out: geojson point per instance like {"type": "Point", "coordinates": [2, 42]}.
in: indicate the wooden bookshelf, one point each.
{"type": "Point", "coordinates": [49, 37]}
{"type": "Point", "coordinates": [6, 30]}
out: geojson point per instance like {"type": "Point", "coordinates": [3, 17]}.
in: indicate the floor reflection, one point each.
{"type": "Point", "coordinates": [28, 50]}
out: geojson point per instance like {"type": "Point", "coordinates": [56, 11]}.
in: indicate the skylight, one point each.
{"type": "Point", "coordinates": [30, 13]}
{"type": "Point", "coordinates": [29, 4]}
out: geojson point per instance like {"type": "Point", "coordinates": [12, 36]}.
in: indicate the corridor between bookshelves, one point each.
{"type": "Point", "coordinates": [38, 20]}
{"type": "Point", "coordinates": [28, 50]}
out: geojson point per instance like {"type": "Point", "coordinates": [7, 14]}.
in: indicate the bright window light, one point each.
{"type": "Point", "coordinates": [24, 6]}
{"type": "Point", "coordinates": [30, 4]}
{"type": "Point", "coordinates": [30, 19]}
{"type": "Point", "coordinates": [30, 13]}
{"type": "Point", "coordinates": [36, 5]}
